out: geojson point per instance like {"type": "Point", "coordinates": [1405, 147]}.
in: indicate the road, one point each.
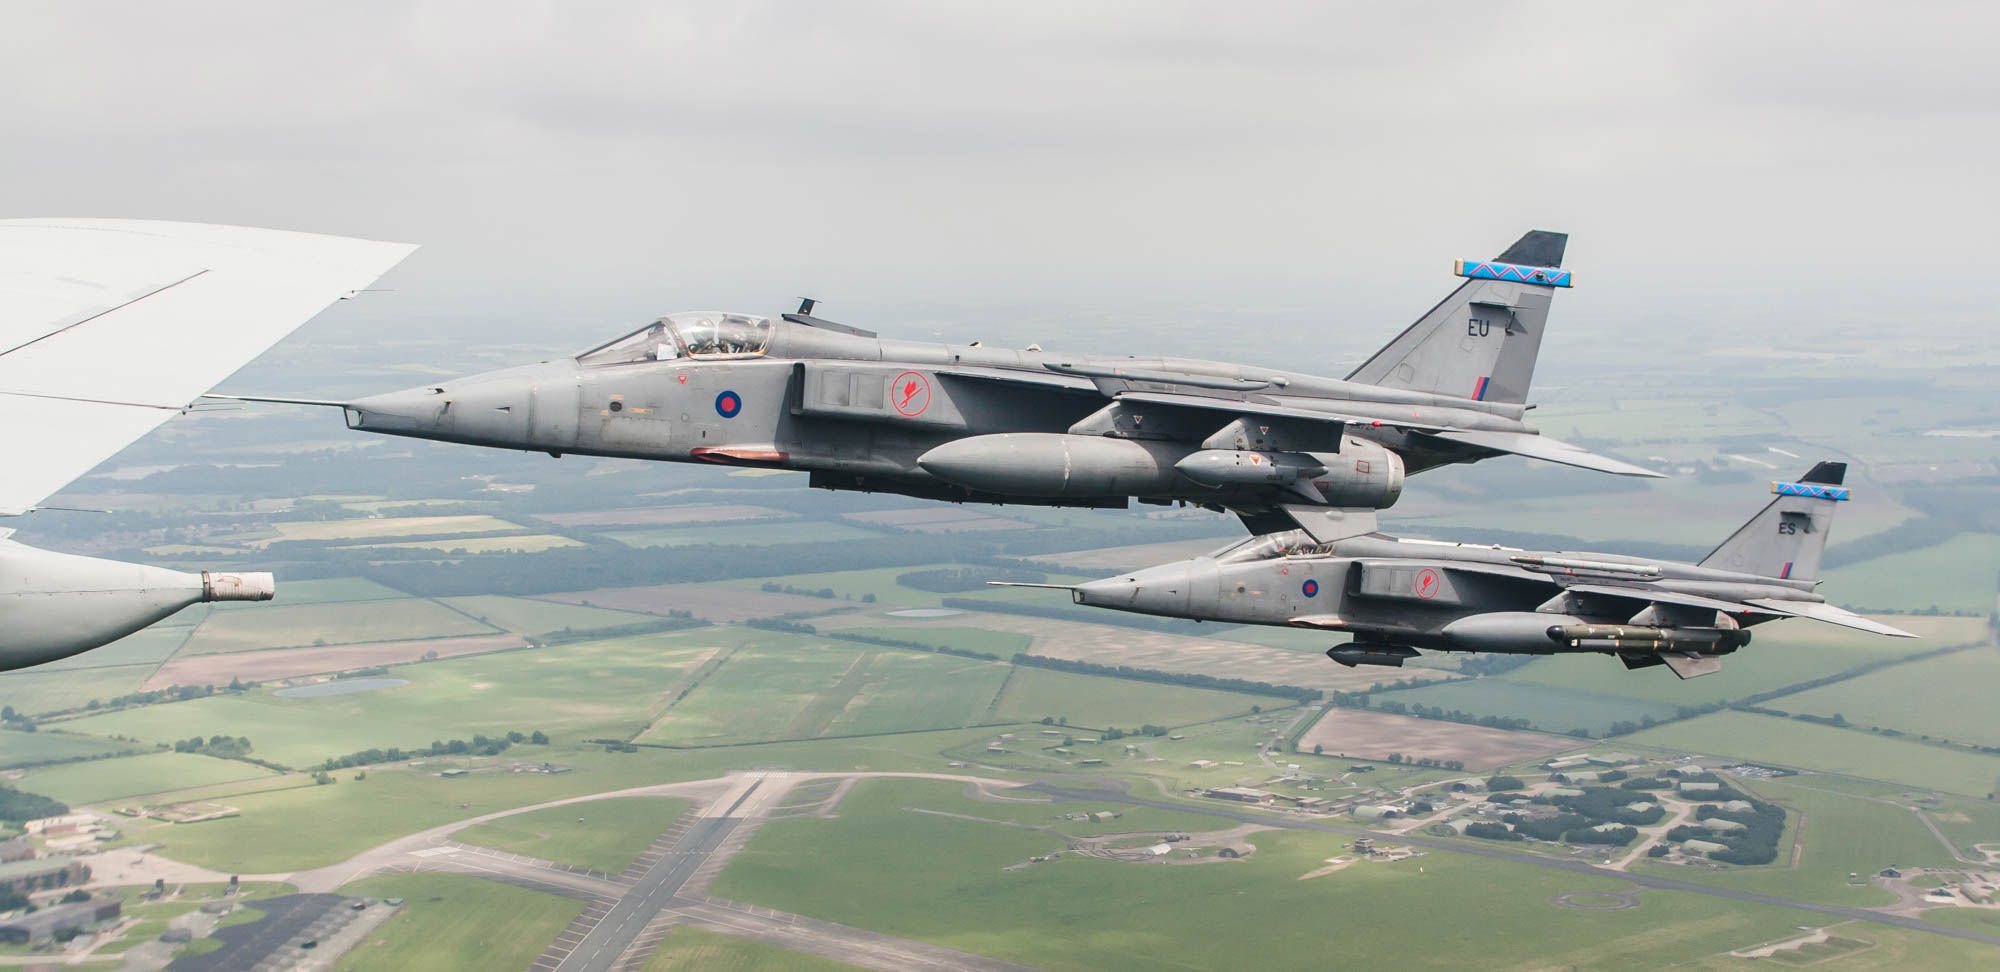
{"type": "Point", "coordinates": [1574, 866]}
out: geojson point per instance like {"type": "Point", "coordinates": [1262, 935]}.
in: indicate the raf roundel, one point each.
{"type": "Point", "coordinates": [728, 404]}
{"type": "Point", "coordinates": [1310, 588]}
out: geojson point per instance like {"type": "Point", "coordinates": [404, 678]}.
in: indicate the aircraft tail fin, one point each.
{"type": "Point", "coordinates": [1786, 538]}
{"type": "Point", "coordinates": [1481, 341]}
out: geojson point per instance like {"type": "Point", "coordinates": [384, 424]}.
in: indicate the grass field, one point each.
{"type": "Point", "coordinates": [1002, 643]}
{"type": "Point", "coordinates": [1950, 697]}
{"type": "Point", "coordinates": [570, 691]}
{"type": "Point", "coordinates": [909, 690]}
{"type": "Point", "coordinates": [329, 623]}
{"type": "Point", "coordinates": [690, 949]}
{"type": "Point", "coordinates": [779, 686]}
{"type": "Point", "coordinates": [1780, 653]}
{"type": "Point", "coordinates": [369, 528]}
{"type": "Point", "coordinates": [748, 534]}
{"type": "Point", "coordinates": [38, 690]}
{"type": "Point", "coordinates": [450, 921]}
{"type": "Point", "coordinates": [941, 879]}
{"type": "Point", "coordinates": [1956, 575]}
{"type": "Point", "coordinates": [348, 816]}
{"type": "Point", "coordinates": [1552, 708]}
{"type": "Point", "coordinates": [28, 748]}
{"type": "Point", "coordinates": [127, 776]}
{"type": "Point", "coordinates": [1843, 834]}
{"type": "Point", "coordinates": [530, 616]}
{"type": "Point", "coordinates": [604, 835]}
{"type": "Point", "coordinates": [1789, 742]}
{"type": "Point", "coordinates": [1101, 703]}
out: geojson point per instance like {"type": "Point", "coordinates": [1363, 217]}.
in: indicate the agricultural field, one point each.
{"type": "Point", "coordinates": [278, 663]}
{"type": "Point", "coordinates": [854, 584]}
{"type": "Point", "coordinates": [1547, 707]}
{"type": "Point", "coordinates": [451, 921]}
{"type": "Point", "coordinates": [336, 623]}
{"type": "Point", "coordinates": [1376, 735]}
{"type": "Point", "coordinates": [710, 602]}
{"type": "Point", "coordinates": [1789, 742]}
{"type": "Point", "coordinates": [529, 543]}
{"type": "Point", "coordinates": [570, 691]}
{"type": "Point", "coordinates": [603, 835]}
{"type": "Point", "coordinates": [1102, 703]}
{"type": "Point", "coordinates": [1005, 644]}
{"type": "Point", "coordinates": [941, 879]}
{"type": "Point", "coordinates": [19, 749]}
{"type": "Point", "coordinates": [370, 528]}
{"type": "Point", "coordinates": [1956, 575]}
{"type": "Point", "coordinates": [533, 616]}
{"type": "Point", "coordinates": [691, 949]}
{"type": "Point", "coordinates": [100, 780]}
{"type": "Point", "coordinates": [1949, 697]}
{"type": "Point", "coordinates": [749, 534]}
{"type": "Point", "coordinates": [656, 516]}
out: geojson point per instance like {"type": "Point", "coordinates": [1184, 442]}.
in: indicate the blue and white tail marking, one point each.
{"type": "Point", "coordinates": [1511, 272]}
{"type": "Point", "coordinates": [1810, 490]}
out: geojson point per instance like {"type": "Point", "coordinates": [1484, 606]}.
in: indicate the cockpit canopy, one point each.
{"type": "Point", "coordinates": [695, 334]}
{"type": "Point", "coordinates": [1271, 546]}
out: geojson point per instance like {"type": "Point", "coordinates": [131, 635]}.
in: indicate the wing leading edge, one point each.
{"type": "Point", "coordinates": [110, 327]}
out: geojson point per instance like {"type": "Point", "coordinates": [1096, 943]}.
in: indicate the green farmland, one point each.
{"type": "Point", "coordinates": [1789, 742]}
{"type": "Point", "coordinates": [1103, 703]}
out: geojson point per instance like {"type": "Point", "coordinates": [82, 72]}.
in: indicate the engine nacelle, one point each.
{"type": "Point", "coordinates": [54, 605]}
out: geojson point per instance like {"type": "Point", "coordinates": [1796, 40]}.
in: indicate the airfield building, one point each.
{"type": "Point", "coordinates": [1737, 806]}
{"type": "Point", "coordinates": [1241, 794]}
{"type": "Point", "coordinates": [47, 922]}
{"type": "Point", "coordinates": [1721, 826]}
{"type": "Point", "coordinates": [1702, 848]}
{"type": "Point", "coordinates": [1700, 787]}
{"type": "Point", "coordinates": [55, 871]}
{"type": "Point", "coordinates": [17, 849]}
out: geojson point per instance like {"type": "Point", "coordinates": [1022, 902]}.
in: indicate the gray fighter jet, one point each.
{"type": "Point", "coordinates": [1399, 595]}
{"type": "Point", "coordinates": [977, 424]}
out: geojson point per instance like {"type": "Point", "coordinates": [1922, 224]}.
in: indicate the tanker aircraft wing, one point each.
{"type": "Point", "coordinates": [110, 327]}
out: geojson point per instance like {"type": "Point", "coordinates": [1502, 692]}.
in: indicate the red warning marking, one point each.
{"type": "Point", "coordinates": [910, 393]}
{"type": "Point", "coordinates": [1427, 583]}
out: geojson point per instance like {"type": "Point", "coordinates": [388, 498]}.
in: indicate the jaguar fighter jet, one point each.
{"type": "Point", "coordinates": [1398, 595]}
{"type": "Point", "coordinates": [109, 328]}
{"type": "Point", "coordinates": [967, 423]}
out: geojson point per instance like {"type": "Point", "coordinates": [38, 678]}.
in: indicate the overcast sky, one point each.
{"type": "Point", "coordinates": [1809, 159]}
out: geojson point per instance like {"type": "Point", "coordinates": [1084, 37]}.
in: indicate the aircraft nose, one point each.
{"type": "Point", "coordinates": [485, 409]}
{"type": "Point", "coordinates": [1155, 590]}
{"type": "Point", "coordinates": [412, 410]}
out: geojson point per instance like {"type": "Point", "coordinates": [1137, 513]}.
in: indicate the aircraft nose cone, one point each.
{"type": "Point", "coordinates": [1155, 590]}
{"type": "Point", "coordinates": [406, 411]}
